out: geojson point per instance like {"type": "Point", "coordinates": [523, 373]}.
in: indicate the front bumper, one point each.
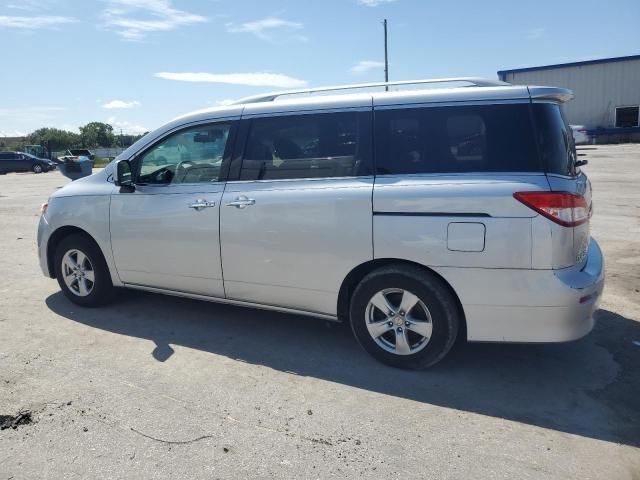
{"type": "Point", "coordinates": [42, 242]}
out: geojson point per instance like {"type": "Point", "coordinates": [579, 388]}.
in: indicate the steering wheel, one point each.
{"type": "Point", "coordinates": [183, 164]}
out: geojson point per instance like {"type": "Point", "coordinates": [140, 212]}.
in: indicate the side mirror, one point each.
{"type": "Point", "coordinates": [123, 177]}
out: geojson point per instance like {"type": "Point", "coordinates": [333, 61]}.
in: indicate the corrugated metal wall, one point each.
{"type": "Point", "coordinates": [599, 88]}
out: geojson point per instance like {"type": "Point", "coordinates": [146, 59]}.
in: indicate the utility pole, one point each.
{"type": "Point", "coordinates": [386, 57]}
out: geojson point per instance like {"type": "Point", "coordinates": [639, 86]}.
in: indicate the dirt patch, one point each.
{"type": "Point", "coordinates": [14, 421]}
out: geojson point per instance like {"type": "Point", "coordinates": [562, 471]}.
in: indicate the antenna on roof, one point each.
{"type": "Point", "coordinates": [386, 57]}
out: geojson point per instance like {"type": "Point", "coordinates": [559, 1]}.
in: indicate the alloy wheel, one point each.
{"type": "Point", "coordinates": [398, 321]}
{"type": "Point", "coordinates": [78, 273]}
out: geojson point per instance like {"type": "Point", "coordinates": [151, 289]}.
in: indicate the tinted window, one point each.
{"type": "Point", "coordinates": [627, 116]}
{"type": "Point", "coordinates": [555, 139]}
{"type": "Point", "coordinates": [488, 138]}
{"type": "Point", "coordinates": [5, 156]}
{"type": "Point", "coordinates": [308, 146]}
{"type": "Point", "coordinates": [193, 155]}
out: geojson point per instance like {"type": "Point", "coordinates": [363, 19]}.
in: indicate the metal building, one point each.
{"type": "Point", "coordinates": [607, 93]}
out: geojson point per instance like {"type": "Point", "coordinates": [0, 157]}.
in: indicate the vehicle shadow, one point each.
{"type": "Point", "coordinates": [589, 387]}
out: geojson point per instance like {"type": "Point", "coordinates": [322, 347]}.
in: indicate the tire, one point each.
{"type": "Point", "coordinates": [37, 168]}
{"type": "Point", "coordinates": [426, 332]}
{"type": "Point", "coordinates": [90, 286]}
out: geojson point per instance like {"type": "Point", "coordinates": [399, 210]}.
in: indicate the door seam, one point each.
{"type": "Point", "coordinates": [224, 288]}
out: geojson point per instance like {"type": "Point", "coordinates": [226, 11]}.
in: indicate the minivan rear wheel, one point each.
{"type": "Point", "coordinates": [404, 316]}
{"type": "Point", "coordinates": [82, 271]}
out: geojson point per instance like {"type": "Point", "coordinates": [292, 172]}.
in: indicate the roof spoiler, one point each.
{"type": "Point", "coordinates": [555, 94]}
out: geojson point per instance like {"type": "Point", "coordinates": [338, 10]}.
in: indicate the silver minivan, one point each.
{"type": "Point", "coordinates": [419, 216]}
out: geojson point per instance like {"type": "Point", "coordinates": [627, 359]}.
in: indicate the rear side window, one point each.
{"type": "Point", "coordinates": [308, 146]}
{"type": "Point", "coordinates": [486, 138]}
{"type": "Point", "coordinates": [555, 139]}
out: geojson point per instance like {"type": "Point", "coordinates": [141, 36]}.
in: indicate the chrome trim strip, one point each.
{"type": "Point", "coordinates": [431, 214]}
{"type": "Point", "coordinates": [239, 303]}
{"type": "Point", "coordinates": [310, 179]}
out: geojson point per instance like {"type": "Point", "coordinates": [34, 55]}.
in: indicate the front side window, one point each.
{"type": "Point", "coordinates": [307, 146]}
{"type": "Point", "coordinates": [485, 138]}
{"type": "Point", "coordinates": [193, 155]}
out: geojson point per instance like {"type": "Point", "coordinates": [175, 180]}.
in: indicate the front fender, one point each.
{"type": "Point", "coordinates": [89, 214]}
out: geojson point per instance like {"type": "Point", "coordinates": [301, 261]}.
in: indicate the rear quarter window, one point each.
{"type": "Point", "coordinates": [555, 139]}
{"type": "Point", "coordinates": [465, 139]}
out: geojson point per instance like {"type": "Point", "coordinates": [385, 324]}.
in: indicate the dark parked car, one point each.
{"type": "Point", "coordinates": [24, 162]}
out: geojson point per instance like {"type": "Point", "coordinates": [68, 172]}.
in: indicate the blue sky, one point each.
{"type": "Point", "coordinates": [138, 63]}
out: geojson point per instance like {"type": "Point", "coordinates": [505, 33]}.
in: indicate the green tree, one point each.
{"type": "Point", "coordinates": [97, 134]}
{"type": "Point", "coordinates": [60, 139]}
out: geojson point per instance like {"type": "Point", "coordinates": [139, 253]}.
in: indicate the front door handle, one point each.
{"type": "Point", "coordinates": [201, 204]}
{"type": "Point", "coordinates": [241, 202]}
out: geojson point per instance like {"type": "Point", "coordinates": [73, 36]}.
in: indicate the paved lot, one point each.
{"type": "Point", "coordinates": [160, 387]}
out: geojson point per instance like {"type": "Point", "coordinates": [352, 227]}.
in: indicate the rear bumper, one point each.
{"type": "Point", "coordinates": [531, 306]}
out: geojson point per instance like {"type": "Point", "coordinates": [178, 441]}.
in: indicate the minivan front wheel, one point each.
{"type": "Point", "coordinates": [404, 316]}
{"type": "Point", "coordinates": [82, 272]}
{"type": "Point", "coordinates": [37, 168]}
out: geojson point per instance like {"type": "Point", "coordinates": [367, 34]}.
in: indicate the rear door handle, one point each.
{"type": "Point", "coordinates": [241, 202]}
{"type": "Point", "coordinates": [201, 204]}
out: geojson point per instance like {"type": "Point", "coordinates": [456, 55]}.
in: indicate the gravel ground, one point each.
{"type": "Point", "coordinates": [161, 387]}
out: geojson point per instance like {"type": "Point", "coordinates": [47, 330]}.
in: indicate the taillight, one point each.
{"type": "Point", "coordinates": [564, 208]}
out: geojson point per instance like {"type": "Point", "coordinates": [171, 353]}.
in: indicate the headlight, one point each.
{"type": "Point", "coordinates": [43, 208]}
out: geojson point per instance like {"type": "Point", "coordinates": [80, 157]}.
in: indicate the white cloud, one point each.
{"type": "Point", "coordinates": [12, 133]}
{"type": "Point", "coordinates": [267, 28]}
{"type": "Point", "coordinates": [374, 3]}
{"type": "Point", "coordinates": [34, 23]}
{"type": "Point", "coordinates": [257, 79]}
{"type": "Point", "coordinates": [536, 33]}
{"type": "Point", "coordinates": [121, 104]}
{"type": "Point", "coordinates": [364, 66]}
{"type": "Point", "coordinates": [122, 16]}
{"type": "Point", "coordinates": [127, 128]}
{"type": "Point", "coordinates": [33, 5]}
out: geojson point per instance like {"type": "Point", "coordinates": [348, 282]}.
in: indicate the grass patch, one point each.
{"type": "Point", "coordinates": [99, 162]}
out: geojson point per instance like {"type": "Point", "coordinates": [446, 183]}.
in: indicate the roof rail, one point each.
{"type": "Point", "coordinates": [269, 97]}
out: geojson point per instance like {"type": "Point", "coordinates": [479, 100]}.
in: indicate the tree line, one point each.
{"type": "Point", "coordinates": [92, 135]}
